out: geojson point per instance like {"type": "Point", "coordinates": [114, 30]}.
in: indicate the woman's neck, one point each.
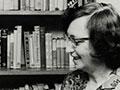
{"type": "Point", "coordinates": [99, 74]}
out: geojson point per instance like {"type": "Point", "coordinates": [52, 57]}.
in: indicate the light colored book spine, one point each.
{"type": "Point", "coordinates": [37, 42]}
{"type": "Point", "coordinates": [65, 5]}
{"type": "Point", "coordinates": [56, 4]}
{"type": "Point", "coordinates": [48, 37]}
{"type": "Point", "coordinates": [45, 5]}
{"type": "Point", "coordinates": [1, 5]}
{"type": "Point", "coordinates": [11, 49]}
{"type": "Point", "coordinates": [34, 48]}
{"type": "Point", "coordinates": [38, 5]}
{"type": "Point", "coordinates": [15, 49]}
{"type": "Point", "coordinates": [51, 5]}
{"type": "Point", "coordinates": [32, 64]}
{"type": "Point", "coordinates": [22, 5]}
{"type": "Point", "coordinates": [19, 46]}
{"type": "Point", "coordinates": [58, 49]}
{"type": "Point", "coordinates": [32, 5]}
{"type": "Point", "coordinates": [27, 2]}
{"type": "Point", "coordinates": [7, 5]}
{"type": "Point", "coordinates": [63, 52]}
{"type": "Point", "coordinates": [60, 4]}
{"type": "Point", "coordinates": [8, 51]}
{"type": "Point", "coordinates": [40, 86]}
{"type": "Point", "coordinates": [54, 53]}
{"type": "Point", "coordinates": [15, 4]}
{"type": "Point", "coordinates": [57, 86]}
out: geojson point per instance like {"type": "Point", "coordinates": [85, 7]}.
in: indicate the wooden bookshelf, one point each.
{"type": "Point", "coordinates": [35, 72]}
{"type": "Point", "coordinates": [31, 12]}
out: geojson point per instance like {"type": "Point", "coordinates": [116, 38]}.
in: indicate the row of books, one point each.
{"type": "Point", "coordinates": [33, 5]}
{"type": "Point", "coordinates": [35, 49]}
{"type": "Point", "coordinates": [38, 86]}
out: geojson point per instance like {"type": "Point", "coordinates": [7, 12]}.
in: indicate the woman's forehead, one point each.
{"type": "Point", "coordinates": [78, 27]}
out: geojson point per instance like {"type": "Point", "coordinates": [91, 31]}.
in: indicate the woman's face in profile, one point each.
{"type": "Point", "coordinates": [78, 37]}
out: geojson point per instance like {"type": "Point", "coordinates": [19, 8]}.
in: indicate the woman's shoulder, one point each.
{"type": "Point", "coordinates": [76, 79]}
{"type": "Point", "coordinates": [111, 84]}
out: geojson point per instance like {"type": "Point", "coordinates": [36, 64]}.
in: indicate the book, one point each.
{"type": "Point", "coordinates": [15, 50]}
{"type": "Point", "coordinates": [54, 52]}
{"type": "Point", "coordinates": [58, 51]}
{"type": "Point", "coordinates": [57, 86]}
{"type": "Point", "coordinates": [32, 64]}
{"type": "Point", "coordinates": [0, 48]}
{"type": "Point", "coordinates": [37, 46]}
{"type": "Point", "coordinates": [11, 58]}
{"type": "Point", "coordinates": [42, 47]}
{"type": "Point", "coordinates": [48, 44]}
{"type": "Point", "coordinates": [38, 5]}
{"type": "Point", "coordinates": [45, 5]}
{"type": "Point", "coordinates": [18, 47]}
{"type": "Point", "coordinates": [61, 4]}
{"type": "Point", "coordinates": [63, 52]}
{"type": "Point", "coordinates": [52, 5]}
{"type": "Point", "coordinates": [22, 5]}
{"type": "Point", "coordinates": [32, 5]}
{"type": "Point", "coordinates": [27, 4]}
{"type": "Point", "coordinates": [26, 48]}
{"type": "Point", "coordinates": [1, 5]}
{"type": "Point", "coordinates": [4, 48]}
{"type": "Point", "coordinates": [15, 4]}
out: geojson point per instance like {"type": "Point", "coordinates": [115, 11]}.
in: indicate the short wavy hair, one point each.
{"type": "Point", "coordinates": [104, 30]}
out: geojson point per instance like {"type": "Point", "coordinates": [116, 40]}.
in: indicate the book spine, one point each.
{"type": "Point", "coordinates": [60, 4]}
{"type": "Point", "coordinates": [27, 2]}
{"type": "Point", "coordinates": [7, 5]}
{"type": "Point", "coordinates": [54, 53]}
{"type": "Point", "coordinates": [42, 47]}
{"type": "Point", "coordinates": [4, 48]}
{"type": "Point", "coordinates": [32, 5]}
{"type": "Point", "coordinates": [32, 64]}
{"type": "Point", "coordinates": [37, 44]}
{"type": "Point", "coordinates": [15, 4]}
{"type": "Point", "coordinates": [15, 49]}
{"type": "Point", "coordinates": [63, 52]}
{"type": "Point", "coordinates": [22, 5]}
{"type": "Point", "coordinates": [1, 5]}
{"type": "Point", "coordinates": [65, 5]}
{"type": "Point", "coordinates": [38, 5]}
{"type": "Point", "coordinates": [11, 49]}
{"type": "Point", "coordinates": [19, 46]}
{"type": "Point", "coordinates": [58, 50]}
{"type": "Point", "coordinates": [48, 40]}
{"type": "Point", "coordinates": [0, 48]}
{"type": "Point", "coordinates": [26, 48]}
{"type": "Point", "coordinates": [51, 5]}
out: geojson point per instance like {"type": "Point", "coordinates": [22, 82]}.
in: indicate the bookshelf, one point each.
{"type": "Point", "coordinates": [34, 72]}
{"type": "Point", "coordinates": [27, 19]}
{"type": "Point", "coordinates": [31, 12]}
{"type": "Point", "coordinates": [51, 20]}
{"type": "Point", "coordinates": [14, 78]}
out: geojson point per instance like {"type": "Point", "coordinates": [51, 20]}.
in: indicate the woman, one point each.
{"type": "Point", "coordinates": [93, 31]}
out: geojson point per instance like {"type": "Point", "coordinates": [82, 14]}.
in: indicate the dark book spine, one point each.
{"type": "Point", "coordinates": [42, 47]}
{"type": "Point", "coordinates": [0, 48]}
{"type": "Point", "coordinates": [4, 48]}
{"type": "Point", "coordinates": [26, 49]}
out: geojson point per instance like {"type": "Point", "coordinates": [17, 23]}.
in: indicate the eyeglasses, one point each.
{"type": "Point", "coordinates": [77, 41]}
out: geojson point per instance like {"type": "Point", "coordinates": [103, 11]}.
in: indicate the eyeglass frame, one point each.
{"type": "Point", "coordinates": [79, 40]}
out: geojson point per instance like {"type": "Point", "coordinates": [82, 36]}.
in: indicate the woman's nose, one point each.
{"type": "Point", "coordinates": [70, 47]}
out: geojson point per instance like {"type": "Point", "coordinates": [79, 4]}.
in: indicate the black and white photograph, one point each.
{"type": "Point", "coordinates": [59, 44]}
